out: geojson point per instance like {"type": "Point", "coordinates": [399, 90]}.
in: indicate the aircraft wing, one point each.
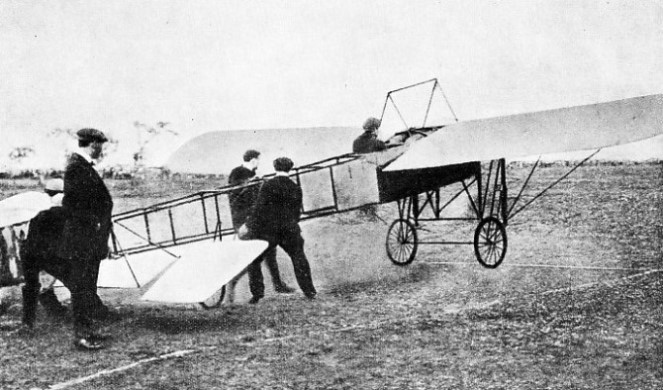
{"type": "Point", "coordinates": [135, 270]}
{"type": "Point", "coordinates": [554, 131]}
{"type": "Point", "coordinates": [23, 207]}
{"type": "Point", "coordinates": [204, 267]}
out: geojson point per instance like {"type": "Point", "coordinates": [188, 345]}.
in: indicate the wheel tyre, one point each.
{"type": "Point", "coordinates": [490, 242]}
{"type": "Point", "coordinates": [215, 300]}
{"type": "Point", "coordinates": [402, 242]}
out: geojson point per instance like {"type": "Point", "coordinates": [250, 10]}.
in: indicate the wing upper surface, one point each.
{"type": "Point", "coordinates": [203, 269]}
{"type": "Point", "coordinates": [142, 268]}
{"type": "Point", "coordinates": [554, 131]}
{"type": "Point", "coordinates": [23, 207]}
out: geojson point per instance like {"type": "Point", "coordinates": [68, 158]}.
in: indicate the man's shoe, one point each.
{"type": "Point", "coordinates": [52, 305]}
{"type": "Point", "coordinates": [254, 300]}
{"type": "Point", "coordinates": [310, 296]}
{"type": "Point", "coordinates": [86, 344]}
{"type": "Point", "coordinates": [284, 289]}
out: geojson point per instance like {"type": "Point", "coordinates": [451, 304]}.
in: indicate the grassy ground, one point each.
{"type": "Point", "coordinates": [430, 325]}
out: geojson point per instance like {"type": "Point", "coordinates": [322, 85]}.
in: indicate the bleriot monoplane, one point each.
{"type": "Point", "coordinates": [429, 149]}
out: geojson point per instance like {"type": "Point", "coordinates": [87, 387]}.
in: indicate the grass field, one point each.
{"type": "Point", "coordinates": [577, 304]}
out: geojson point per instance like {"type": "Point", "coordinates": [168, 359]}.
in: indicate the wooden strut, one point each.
{"type": "Point", "coordinates": [202, 202]}
{"type": "Point", "coordinates": [116, 245]}
{"type": "Point", "coordinates": [436, 84]}
{"type": "Point", "coordinates": [142, 238]}
{"type": "Point", "coordinates": [540, 194]}
{"type": "Point", "coordinates": [517, 198]}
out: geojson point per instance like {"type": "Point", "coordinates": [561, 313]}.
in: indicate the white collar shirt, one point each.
{"type": "Point", "coordinates": [86, 156]}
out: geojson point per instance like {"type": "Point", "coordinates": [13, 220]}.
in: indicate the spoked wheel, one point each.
{"type": "Point", "coordinates": [215, 300]}
{"type": "Point", "coordinates": [490, 242]}
{"type": "Point", "coordinates": [402, 242]}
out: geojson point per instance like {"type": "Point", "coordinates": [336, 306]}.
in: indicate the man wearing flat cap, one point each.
{"type": "Point", "coordinates": [275, 219]}
{"type": "Point", "coordinates": [368, 141]}
{"type": "Point", "coordinates": [40, 261]}
{"type": "Point", "coordinates": [87, 206]}
{"type": "Point", "coordinates": [241, 202]}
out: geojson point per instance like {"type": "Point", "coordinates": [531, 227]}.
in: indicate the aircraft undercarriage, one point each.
{"type": "Point", "coordinates": [488, 209]}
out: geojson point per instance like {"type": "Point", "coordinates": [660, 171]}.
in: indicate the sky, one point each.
{"type": "Point", "coordinates": [228, 65]}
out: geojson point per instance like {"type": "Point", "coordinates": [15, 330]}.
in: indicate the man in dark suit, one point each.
{"type": "Point", "coordinates": [241, 202]}
{"type": "Point", "coordinates": [368, 141]}
{"type": "Point", "coordinates": [39, 252]}
{"type": "Point", "coordinates": [87, 206]}
{"type": "Point", "coordinates": [275, 219]}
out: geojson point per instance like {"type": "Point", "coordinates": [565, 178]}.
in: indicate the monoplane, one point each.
{"type": "Point", "coordinates": [188, 242]}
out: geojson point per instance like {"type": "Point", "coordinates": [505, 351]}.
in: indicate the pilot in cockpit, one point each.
{"type": "Point", "coordinates": [368, 141]}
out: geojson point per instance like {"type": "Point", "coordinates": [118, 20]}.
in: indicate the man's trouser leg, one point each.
{"type": "Point", "coordinates": [30, 294]}
{"type": "Point", "coordinates": [50, 302]}
{"type": "Point", "coordinates": [59, 270]}
{"type": "Point", "coordinates": [99, 309]}
{"type": "Point", "coordinates": [273, 267]}
{"type": "Point", "coordinates": [30, 291]}
{"type": "Point", "coordinates": [82, 289]}
{"type": "Point", "coordinates": [293, 244]}
{"type": "Point", "coordinates": [256, 283]}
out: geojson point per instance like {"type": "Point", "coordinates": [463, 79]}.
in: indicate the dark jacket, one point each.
{"type": "Point", "coordinates": [44, 234]}
{"type": "Point", "coordinates": [277, 209]}
{"type": "Point", "coordinates": [6, 276]}
{"type": "Point", "coordinates": [40, 247]}
{"type": "Point", "coordinates": [242, 199]}
{"type": "Point", "coordinates": [368, 142]}
{"type": "Point", "coordinates": [88, 207]}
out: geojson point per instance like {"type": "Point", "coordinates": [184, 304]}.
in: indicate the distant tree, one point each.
{"type": "Point", "coordinates": [59, 132]}
{"type": "Point", "coordinates": [19, 153]}
{"type": "Point", "coordinates": [146, 134]}
{"type": "Point", "coordinates": [70, 133]}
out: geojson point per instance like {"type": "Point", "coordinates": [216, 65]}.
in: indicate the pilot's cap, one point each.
{"type": "Point", "coordinates": [283, 164]}
{"type": "Point", "coordinates": [372, 124]}
{"type": "Point", "coordinates": [54, 185]}
{"type": "Point", "coordinates": [91, 135]}
{"type": "Point", "coordinates": [250, 155]}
